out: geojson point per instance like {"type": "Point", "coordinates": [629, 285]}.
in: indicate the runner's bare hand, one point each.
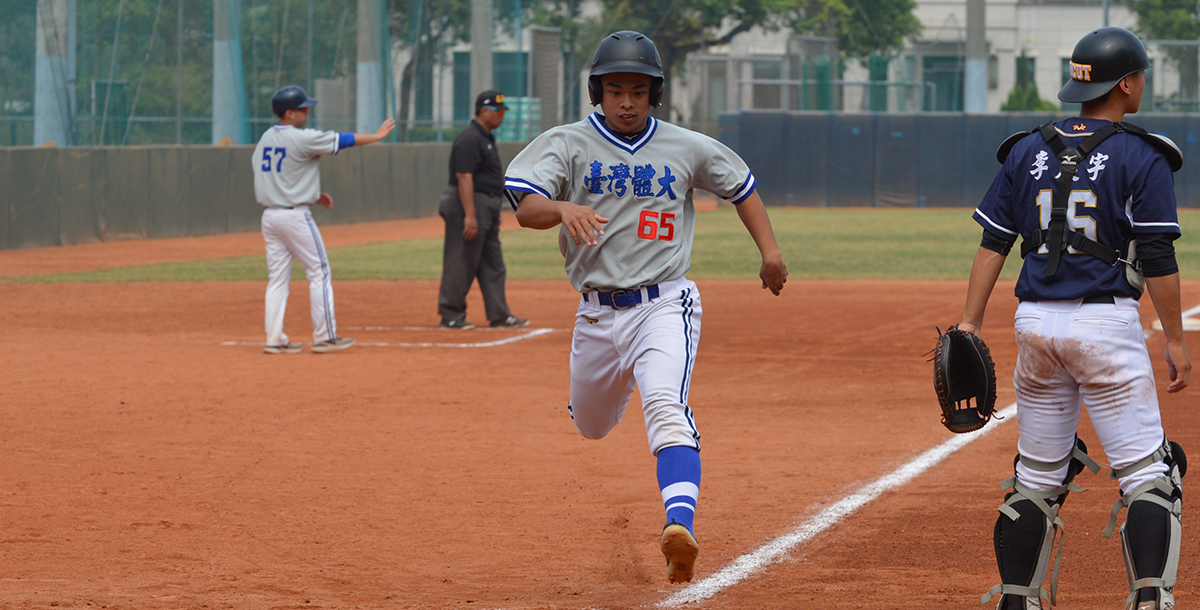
{"type": "Point", "coordinates": [582, 222]}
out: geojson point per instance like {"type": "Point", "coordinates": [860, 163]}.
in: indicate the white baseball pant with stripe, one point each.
{"type": "Point", "coordinates": [653, 345]}
{"type": "Point", "coordinates": [291, 234]}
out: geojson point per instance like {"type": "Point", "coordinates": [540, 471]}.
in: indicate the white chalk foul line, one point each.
{"type": "Point", "coordinates": [437, 328]}
{"type": "Point", "coordinates": [521, 337]}
{"type": "Point", "coordinates": [746, 565]}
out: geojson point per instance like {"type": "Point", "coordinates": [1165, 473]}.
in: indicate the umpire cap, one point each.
{"type": "Point", "coordinates": [289, 98]}
{"type": "Point", "coordinates": [626, 51]}
{"type": "Point", "coordinates": [1100, 60]}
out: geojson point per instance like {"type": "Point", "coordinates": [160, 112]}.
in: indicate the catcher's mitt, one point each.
{"type": "Point", "coordinates": [963, 370]}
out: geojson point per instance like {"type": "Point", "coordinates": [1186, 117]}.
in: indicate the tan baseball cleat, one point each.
{"type": "Point", "coordinates": [680, 548]}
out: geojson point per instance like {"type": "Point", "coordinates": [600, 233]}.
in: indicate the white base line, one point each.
{"type": "Point", "coordinates": [746, 565]}
{"type": "Point", "coordinates": [436, 328]}
{"type": "Point", "coordinates": [1191, 312]}
{"type": "Point", "coordinates": [521, 337]}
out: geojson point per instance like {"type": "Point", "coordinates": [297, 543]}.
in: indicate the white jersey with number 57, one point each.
{"type": "Point", "coordinates": [286, 173]}
{"type": "Point", "coordinates": [644, 187]}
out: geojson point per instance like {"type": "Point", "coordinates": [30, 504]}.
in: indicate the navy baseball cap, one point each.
{"type": "Point", "coordinates": [290, 98]}
{"type": "Point", "coordinates": [494, 99]}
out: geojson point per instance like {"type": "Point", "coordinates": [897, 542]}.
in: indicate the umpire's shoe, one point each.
{"type": "Point", "coordinates": [510, 322]}
{"type": "Point", "coordinates": [335, 344]}
{"type": "Point", "coordinates": [680, 548]}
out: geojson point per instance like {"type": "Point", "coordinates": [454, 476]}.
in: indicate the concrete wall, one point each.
{"type": "Point", "coordinates": [73, 195]}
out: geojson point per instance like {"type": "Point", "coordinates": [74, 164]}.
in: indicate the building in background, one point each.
{"type": "Point", "coordinates": [1029, 43]}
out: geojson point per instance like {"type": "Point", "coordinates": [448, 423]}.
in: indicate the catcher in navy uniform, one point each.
{"type": "Point", "coordinates": [1093, 200]}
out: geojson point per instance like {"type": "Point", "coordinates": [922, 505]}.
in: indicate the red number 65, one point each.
{"type": "Point", "coordinates": [650, 227]}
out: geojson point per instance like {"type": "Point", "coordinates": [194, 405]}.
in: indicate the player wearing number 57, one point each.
{"type": "Point", "coordinates": [287, 183]}
{"type": "Point", "coordinates": [620, 185]}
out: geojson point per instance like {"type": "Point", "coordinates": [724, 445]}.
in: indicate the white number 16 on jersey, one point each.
{"type": "Point", "coordinates": [1045, 201]}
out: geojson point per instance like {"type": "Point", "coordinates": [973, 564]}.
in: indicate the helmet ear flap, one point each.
{"type": "Point", "coordinates": [656, 92]}
{"type": "Point", "coordinates": [594, 92]}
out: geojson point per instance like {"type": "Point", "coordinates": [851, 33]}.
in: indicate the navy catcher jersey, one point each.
{"type": "Point", "coordinates": [1124, 187]}
{"type": "Point", "coordinates": [643, 187]}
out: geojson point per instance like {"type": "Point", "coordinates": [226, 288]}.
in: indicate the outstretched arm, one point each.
{"type": "Point", "coordinates": [539, 212]}
{"type": "Point", "coordinates": [362, 139]}
{"type": "Point", "coordinates": [1164, 291]}
{"type": "Point", "coordinates": [984, 273]}
{"type": "Point", "coordinates": [753, 214]}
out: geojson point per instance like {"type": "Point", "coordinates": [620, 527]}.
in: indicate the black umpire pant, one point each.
{"type": "Point", "coordinates": [463, 261]}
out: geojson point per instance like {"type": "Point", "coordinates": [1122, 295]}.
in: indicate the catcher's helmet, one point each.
{"type": "Point", "coordinates": [1100, 60]}
{"type": "Point", "coordinates": [626, 51]}
{"type": "Point", "coordinates": [291, 97]}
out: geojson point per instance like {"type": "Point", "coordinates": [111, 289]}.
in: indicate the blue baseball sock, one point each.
{"type": "Point", "coordinates": [679, 481]}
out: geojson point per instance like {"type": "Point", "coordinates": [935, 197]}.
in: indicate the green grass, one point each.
{"type": "Point", "coordinates": [816, 243]}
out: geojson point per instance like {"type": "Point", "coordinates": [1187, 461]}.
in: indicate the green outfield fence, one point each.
{"type": "Point", "coordinates": [934, 159]}
{"type": "Point", "coordinates": [71, 195]}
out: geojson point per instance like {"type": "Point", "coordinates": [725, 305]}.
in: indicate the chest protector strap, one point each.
{"type": "Point", "coordinates": [1058, 235]}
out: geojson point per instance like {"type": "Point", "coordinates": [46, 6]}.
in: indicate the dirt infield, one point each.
{"type": "Point", "coordinates": [154, 458]}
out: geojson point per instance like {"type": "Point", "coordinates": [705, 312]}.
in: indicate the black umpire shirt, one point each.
{"type": "Point", "coordinates": [474, 152]}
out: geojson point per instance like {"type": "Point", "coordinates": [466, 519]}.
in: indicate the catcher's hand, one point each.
{"type": "Point", "coordinates": [963, 370]}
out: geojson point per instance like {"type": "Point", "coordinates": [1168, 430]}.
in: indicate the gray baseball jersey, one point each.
{"type": "Point", "coordinates": [644, 187]}
{"type": "Point", "coordinates": [286, 173]}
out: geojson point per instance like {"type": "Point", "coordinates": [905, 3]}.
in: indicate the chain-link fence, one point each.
{"type": "Point", "coordinates": [140, 72]}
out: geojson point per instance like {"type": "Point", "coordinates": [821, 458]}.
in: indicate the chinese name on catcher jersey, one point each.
{"type": "Point", "coordinates": [1107, 211]}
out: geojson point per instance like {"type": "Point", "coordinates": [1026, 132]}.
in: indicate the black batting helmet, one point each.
{"type": "Point", "coordinates": [626, 51]}
{"type": "Point", "coordinates": [291, 97]}
{"type": "Point", "coordinates": [1100, 60]}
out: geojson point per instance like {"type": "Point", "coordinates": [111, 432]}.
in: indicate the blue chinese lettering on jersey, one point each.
{"type": "Point", "coordinates": [665, 182]}
{"type": "Point", "coordinates": [643, 181]}
{"type": "Point", "coordinates": [620, 179]}
{"type": "Point", "coordinates": [616, 180]}
{"type": "Point", "coordinates": [595, 180]}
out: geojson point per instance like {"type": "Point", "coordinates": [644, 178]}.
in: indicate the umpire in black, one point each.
{"type": "Point", "coordinates": [470, 205]}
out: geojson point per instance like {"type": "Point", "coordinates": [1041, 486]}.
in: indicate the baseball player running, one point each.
{"type": "Point", "coordinates": [620, 185]}
{"type": "Point", "coordinates": [286, 183]}
{"type": "Point", "coordinates": [1093, 200]}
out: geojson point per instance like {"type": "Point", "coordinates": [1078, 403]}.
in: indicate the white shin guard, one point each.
{"type": "Point", "coordinates": [1156, 510]}
{"type": "Point", "coordinates": [1023, 549]}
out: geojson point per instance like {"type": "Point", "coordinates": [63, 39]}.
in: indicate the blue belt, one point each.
{"type": "Point", "coordinates": [624, 299]}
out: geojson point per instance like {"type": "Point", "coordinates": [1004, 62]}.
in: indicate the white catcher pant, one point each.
{"type": "Point", "coordinates": [293, 235]}
{"type": "Point", "coordinates": [651, 344]}
{"type": "Point", "coordinates": [1070, 352]}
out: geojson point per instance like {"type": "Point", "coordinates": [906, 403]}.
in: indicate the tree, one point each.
{"type": "Point", "coordinates": [1174, 20]}
{"type": "Point", "coordinates": [17, 32]}
{"type": "Point", "coordinates": [135, 41]}
{"type": "Point", "coordinates": [1024, 95]}
{"type": "Point", "coordinates": [427, 27]}
{"type": "Point", "coordinates": [866, 27]}
{"type": "Point", "coordinates": [679, 28]}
